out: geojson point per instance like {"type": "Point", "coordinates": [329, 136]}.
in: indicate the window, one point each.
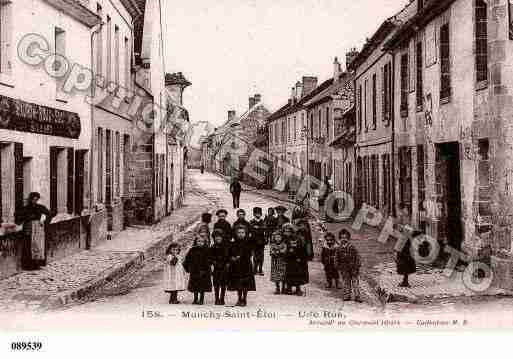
{"type": "Point", "coordinates": [100, 165]}
{"type": "Point", "coordinates": [108, 166]}
{"type": "Point", "coordinates": [327, 123]}
{"type": "Point", "coordinates": [375, 180]}
{"type": "Point", "coordinates": [421, 187]}
{"type": "Point", "coordinates": [99, 43]}
{"type": "Point", "coordinates": [62, 175]}
{"type": "Point", "coordinates": [311, 125]}
{"type": "Point", "coordinates": [360, 108]}
{"type": "Point", "coordinates": [405, 179]}
{"type": "Point", "coordinates": [365, 105]}
{"type": "Point", "coordinates": [295, 128]}
{"type": "Point", "coordinates": [385, 162]}
{"type": "Point", "coordinates": [283, 133]}
{"type": "Point", "coordinates": [510, 10]}
{"type": "Point", "coordinates": [319, 122]}
{"type": "Point", "coordinates": [374, 102]}
{"type": "Point", "coordinates": [79, 180]}
{"type": "Point", "coordinates": [419, 91]}
{"type": "Point", "coordinates": [386, 91]}
{"type": "Point", "coordinates": [445, 66]}
{"type": "Point", "coordinates": [303, 124]}
{"type": "Point", "coordinates": [5, 37]}
{"type": "Point", "coordinates": [404, 84]}
{"type": "Point", "coordinates": [117, 167]}
{"type": "Point", "coordinates": [481, 41]}
{"type": "Point", "coordinates": [108, 73]}
{"type": "Point", "coordinates": [349, 177]}
{"type": "Point", "coordinates": [126, 161]}
{"type": "Point", "coordinates": [128, 63]}
{"type": "Point", "coordinates": [484, 203]}
{"type": "Point", "coordinates": [117, 58]}
{"type": "Point", "coordinates": [60, 48]}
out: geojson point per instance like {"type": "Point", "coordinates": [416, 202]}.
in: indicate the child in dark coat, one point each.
{"type": "Point", "coordinates": [197, 264]}
{"type": "Point", "coordinates": [297, 265]}
{"type": "Point", "coordinates": [278, 252]}
{"type": "Point", "coordinates": [223, 224]}
{"type": "Point", "coordinates": [281, 219]}
{"type": "Point", "coordinates": [219, 254]}
{"type": "Point", "coordinates": [241, 276]}
{"type": "Point", "coordinates": [349, 263]}
{"type": "Point", "coordinates": [259, 240]}
{"type": "Point", "coordinates": [241, 221]}
{"type": "Point", "coordinates": [271, 223]}
{"type": "Point", "coordinates": [329, 260]}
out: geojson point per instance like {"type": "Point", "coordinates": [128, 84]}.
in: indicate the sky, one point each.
{"type": "Point", "coordinates": [232, 49]}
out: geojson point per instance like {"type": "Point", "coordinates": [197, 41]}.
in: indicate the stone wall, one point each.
{"type": "Point", "coordinates": [10, 254]}
{"type": "Point", "coordinates": [65, 238]}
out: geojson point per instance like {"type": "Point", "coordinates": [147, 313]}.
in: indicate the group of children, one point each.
{"type": "Point", "coordinates": [236, 254]}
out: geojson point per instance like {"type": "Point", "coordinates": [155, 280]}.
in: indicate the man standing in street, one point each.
{"type": "Point", "coordinates": [235, 190]}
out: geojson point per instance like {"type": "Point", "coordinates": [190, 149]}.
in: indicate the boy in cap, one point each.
{"type": "Point", "coordinates": [349, 263]}
{"type": "Point", "coordinates": [329, 260]}
{"type": "Point", "coordinates": [259, 240]}
{"type": "Point", "coordinates": [223, 225]}
{"type": "Point", "coordinates": [282, 218]}
{"type": "Point", "coordinates": [241, 221]}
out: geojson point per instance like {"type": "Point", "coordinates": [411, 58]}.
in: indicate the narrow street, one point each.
{"type": "Point", "coordinates": [146, 301]}
{"type": "Point", "coordinates": [150, 294]}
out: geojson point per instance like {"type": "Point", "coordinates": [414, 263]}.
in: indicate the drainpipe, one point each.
{"type": "Point", "coordinates": [392, 189]}
{"type": "Point", "coordinates": [94, 32]}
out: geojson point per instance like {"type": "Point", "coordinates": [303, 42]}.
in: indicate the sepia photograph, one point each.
{"type": "Point", "coordinates": [288, 166]}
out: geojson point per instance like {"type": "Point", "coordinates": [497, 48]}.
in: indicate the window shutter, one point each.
{"type": "Point", "coordinates": [18, 176]}
{"type": "Point", "coordinates": [54, 151]}
{"type": "Point", "coordinates": [79, 180]}
{"type": "Point", "coordinates": [383, 93]}
{"type": "Point", "coordinates": [71, 175]}
{"type": "Point", "coordinates": [445, 80]}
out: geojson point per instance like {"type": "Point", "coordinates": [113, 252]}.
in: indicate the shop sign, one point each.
{"type": "Point", "coordinates": [23, 116]}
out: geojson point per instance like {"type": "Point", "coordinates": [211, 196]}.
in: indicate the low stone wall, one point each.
{"type": "Point", "coordinates": [98, 223]}
{"type": "Point", "coordinates": [117, 217]}
{"type": "Point", "coordinates": [64, 238]}
{"type": "Point", "coordinates": [10, 253]}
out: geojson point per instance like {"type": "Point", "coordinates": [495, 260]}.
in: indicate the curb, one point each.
{"type": "Point", "coordinates": [137, 260]}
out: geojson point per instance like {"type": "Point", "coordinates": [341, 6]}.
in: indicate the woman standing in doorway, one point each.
{"type": "Point", "coordinates": [34, 217]}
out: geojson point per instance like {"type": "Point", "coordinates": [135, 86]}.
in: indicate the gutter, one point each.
{"type": "Point", "coordinates": [91, 107]}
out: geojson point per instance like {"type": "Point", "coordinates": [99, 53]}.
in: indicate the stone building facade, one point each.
{"type": "Point", "coordinates": [456, 129]}
{"type": "Point", "coordinates": [45, 131]}
{"type": "Point", "coordinates": [373, 71]}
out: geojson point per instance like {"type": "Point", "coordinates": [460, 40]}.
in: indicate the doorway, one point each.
{"type": "Point", "coordinates": [448, 188]}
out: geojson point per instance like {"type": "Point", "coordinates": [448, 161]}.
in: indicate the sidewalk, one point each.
{"type": "Point", "coordinates": [79, 275]}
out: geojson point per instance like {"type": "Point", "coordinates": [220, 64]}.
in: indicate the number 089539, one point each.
{"type": "Point", "coordinates": [26, 346]}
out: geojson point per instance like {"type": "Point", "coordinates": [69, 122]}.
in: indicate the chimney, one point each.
{"type": "Point", "coordinates": [257, 98]}
{"type": "Point", "coordinates": [299, 90]}
{"type": "Point", "coordinates": [231, 115]}
{"type": "Point", "coordinates": [252, 102]}
{"type": "Point", "coordinates": [336, 69]}
{"type": "Point", "coordinates": [309, 84]}
{"type": "Point", "coordinates": [293, 95]}
{"type": "Point", "coordinates": [350, 56]}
